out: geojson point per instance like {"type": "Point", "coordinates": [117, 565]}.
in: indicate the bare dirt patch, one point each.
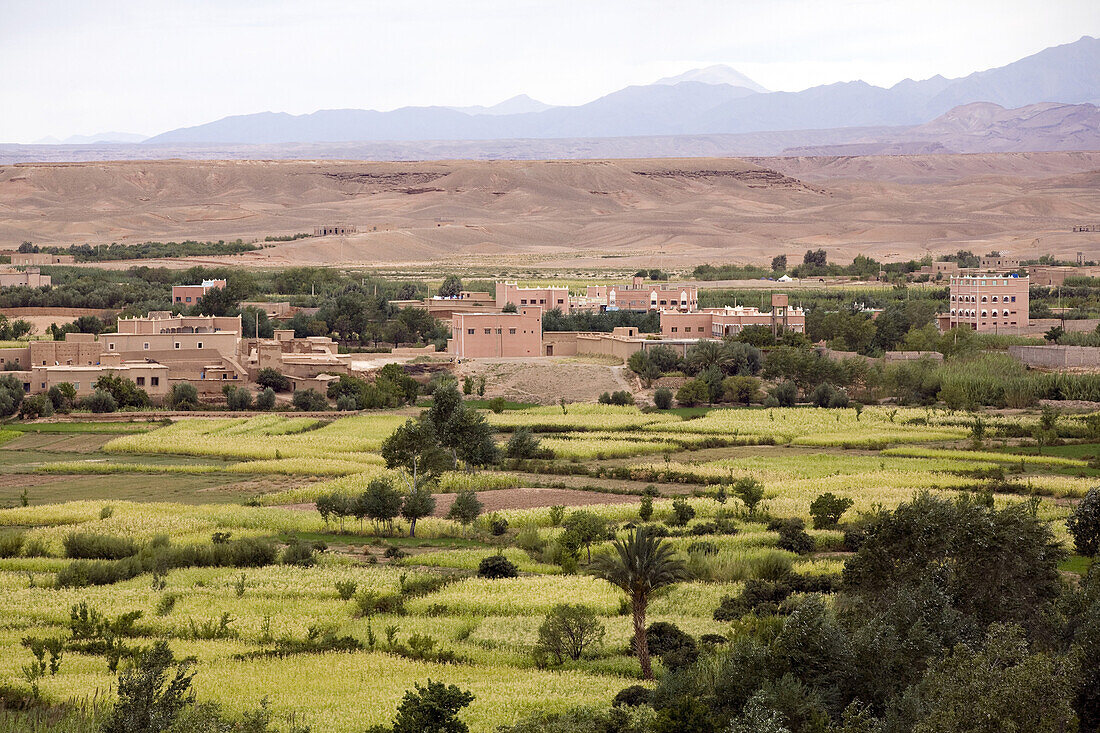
{"type": "Point", "coordinates": [545, 381]}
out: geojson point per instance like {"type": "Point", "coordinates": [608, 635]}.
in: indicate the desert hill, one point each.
{"type": "Point", "coordinates": [671, 213]}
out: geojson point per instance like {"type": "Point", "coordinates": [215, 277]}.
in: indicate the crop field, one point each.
{"type": "Point", "coordinates": [256, 630]}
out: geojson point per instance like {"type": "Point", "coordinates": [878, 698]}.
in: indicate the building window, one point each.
{"type": "Point", "coordinates": [177, 344]}
{"type": "Point", "coordinates": [27, 387]}
{"type": "Point", "coordinates": [498, 331]}
{"type": "Point", "coordinates": [145, 346]}
{"type": "Point", "coordinates": [512, 331]}
{"type": "Point", "coordinates": [1013, 298]}
{"type": "Point", "coordinates": [188, 298]}
{"type": "Point", "coordinates": [674, 329]}
{"type": "Point", "coordinates": [140, 381]}
{"type": "Point", "coordinates": [560, 301]}
{"type": "Point", "coordinates": [110, 347]}
{"type": "Point", "coordinates": [200, 344]}
{"type": "Point", "coordinates": [154, 381]}
{"type": "Point", "coordinates": [76, 386]}
{"type": "Point", "coordinates": [470, 331]}
{"type": "Point", "coordinates": [488, 330]}
{"type": "Point", "coordinates": [523, 301]}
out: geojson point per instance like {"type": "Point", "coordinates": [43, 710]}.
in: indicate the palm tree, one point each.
{"type": "Point", "coordinates": [641, 564]}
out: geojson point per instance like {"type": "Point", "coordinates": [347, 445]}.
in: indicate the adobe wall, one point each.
{"type": "Point", "coordinates": [1057, 357]}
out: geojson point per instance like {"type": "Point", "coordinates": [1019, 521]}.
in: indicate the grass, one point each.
{"type": "Point", "coordinates": [86, 427]}
{"type": "Point", "coordinates": [1076, 564]}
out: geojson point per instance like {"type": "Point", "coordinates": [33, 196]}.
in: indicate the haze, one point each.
{"type": "Point", "coordinates": [146, 67]}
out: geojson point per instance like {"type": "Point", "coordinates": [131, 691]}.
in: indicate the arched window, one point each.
{"type": "Point", "coordinates": [952, 311]}
{"type": "Point", "coordinates": [985, 314]}
{"type": "Point", "coordinates": [984, 299]}
{"type": "Point", "coordinates": [994, 298]}
{"type": "Point", "coordinates": [994, 312]}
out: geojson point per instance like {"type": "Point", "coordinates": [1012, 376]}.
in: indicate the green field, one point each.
{"type": "Point", "coordinates": [189, 480]}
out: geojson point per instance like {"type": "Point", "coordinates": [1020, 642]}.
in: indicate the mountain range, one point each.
{"type": "Point", "coordinates": [714, 100]}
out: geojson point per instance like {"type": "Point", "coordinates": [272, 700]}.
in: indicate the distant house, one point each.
{"type": "Point", "coordinates": [190, 294]}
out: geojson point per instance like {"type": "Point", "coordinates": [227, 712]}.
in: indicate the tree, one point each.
{"type": "Point", "coordinates": [566, 632]}
{"type": "Point", "coordinates": [380, 503]}
{"type": "Point", "coordinates": [1084, 524]}
{"type": "Point", "coordinates": [35, 407]}
{"type": "Point", "coordinates": [496, 566]}
{"type": "Point", "coordinates": [785, 393]}
{"type": "Point", "coordinates": [750, 491]}
{"type": "Point", "coordinates": [125, 391]}
{"type": "Point", "coordinates": [63, 397]}
{"type": "Point", "coordinates": [266, 399]}
{"type": "Point", "coordinates": [827, 510]}
{"type": "Point", "coordinates": [451, 287]}
{"type": "Point", "coordinates": [640, 564]}
{"type": "Point", "coordinates": [148, 702]}
{"type": "Point", "coordinates": [1000, 687]}
{"type": "Point", "coordinates": [779, 263]}
{"type": "Point", "coordinates": [270, 377]}
{"type": "Point", "coordinates": [418, 503]}
{"type": "Point", "coordinates": [587, 527]}
{"type": "Point", "coordinates": [309, 400]}
{"type": "Point", "coordinates": [415, 448]}
{"type": "Point", "coordinates": [432, 709]}
{"type": "Point", "coordinates": [522, 444]}
{"type": "Point", "coordinates": [662, 398]}
{"type": "Point", "coordinates": [237, 398]}
{"type": "Point", "coordinates": [1054, 334]}
{"type": "Point", "coordinates": [815, 258]}
{"type": "Point", "coordinates": [643, 365]}
{"type": "Point", "coordinates": [99, 401]}
{"type": "Point", "coordinates": [465, 508]}
{"type": "Point", "coordinates": [693, 392]}
{"type": "Point", "coordinates": [183, 396]}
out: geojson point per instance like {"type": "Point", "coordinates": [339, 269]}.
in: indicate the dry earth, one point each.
{"type": "Point", "coordinates": [547, 381]}
{"type": "Point", "coordinates": [671, 213]}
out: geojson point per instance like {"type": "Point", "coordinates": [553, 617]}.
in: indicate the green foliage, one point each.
{"type": "Point", "coordinates": [465, 508]}
{"type": "Point", "coordinates": [266, 399]}
{"type": "Point", "coordinates": [1084, 524]}
{"type": "Point", "coordinates": [523, 444]}
{"type": "Point", "coordinates": [785, 394]}
{"type": "Point", "coordinates": [566, 632]}
{"type": "Point", "coordinates": [433, 707]}
{"type": "Point", "coordinates": [693, 392]}
{"type": "Point", "coordinates": [152, 694]}
{"type": "Point", "coordinates": [619, 397]}
{"type": "Point", "coordinates": [792, 536]}
{"type": "Point", "coordinates": [662, 398]}
{"type": "Point", "coordinates": [645, 322]}
{"type": "Point", "coordinates": [418, 503]}
{"type": "Point", "coordinates": [827, 509]}
{"type": "Point", "coordinates": [749, 491]}
{"type": "Point", "coordinates": [682, 512]}
{"type": "Point", "coordinates": [36, 406]}
{"type": "Point", "coordinates": [183, 396]}
{"type": "Point", "coordinates": [309, 400]}
{"type": "Point", "coordinates": [11, 395]}
{"type": "Point", "coordinates": [268, 377]}
{"type": "Point", "coordinates": [123, 390]}
{"type": "Point", "coordinates": [99, 402]}
{"type": "Point", "coordinates": [497, 566]}
{"type": "Point", "coordinates": [237, 398]}
{"type": "Point", "coordinates": [93, 546]}
{"type": "Point", "coordinates": [587, 527]}
{"type": "Point", "coordinates": [451, 287]}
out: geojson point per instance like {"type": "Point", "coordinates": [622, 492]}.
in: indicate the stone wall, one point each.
{"type": "Point", "coordinates": [1057, 357]}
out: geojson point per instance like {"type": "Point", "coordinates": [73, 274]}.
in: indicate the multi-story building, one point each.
{"type": "Point", "coordinates": [992, 302]}
{"type": "Point", "coordinates": [728, 321]}
{"type": "Point", "coordinates": [191, 294]}
{"type": "Point", "coordinates": [640, 296]}
{"type": "Point", "coordinates": [479, 335]}
{"type": "Point", "coordinates": [32, 277]}
{"type": "Point", "coordinates": [547, 298]}
{"type": "Point", "coordinates": [999, 262]}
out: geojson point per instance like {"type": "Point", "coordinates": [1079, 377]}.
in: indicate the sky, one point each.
{"type": "Point", "coordinates": [147, 66]}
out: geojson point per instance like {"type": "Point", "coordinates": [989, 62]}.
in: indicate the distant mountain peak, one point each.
{"type": "Point", "coordinates": [717, 74]}
{"type": "Point", "coordinates": [517, 105]}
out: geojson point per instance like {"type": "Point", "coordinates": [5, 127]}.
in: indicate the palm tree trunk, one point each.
{"type": "Point", "coordinates": [641, 645]}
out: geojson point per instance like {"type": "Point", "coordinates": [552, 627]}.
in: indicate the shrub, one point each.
{"type": "Point", "coordinates": [1084, 524]}
{"type": "Point", "coordinates": [346, 403]}
{"type": "Point", "coordinates": [125, 391]}
{"type": "Point", "coordinates": [99, 401]}
{"type": "Point", "coordinates": [792, 536]}
{"type": "Point", "coordinates": [674, 647]}
{"type": "Point", "coordinates": [183, 396]}
{"type": "Point", "coordinates": [393, 552]}
{"type": "Point", "coordinates": [693, 392]}
{"type": "Point", "coordinates": [309, 400]}
{"type": "Point", "coordinates": [346, 589]}
{"type": "Point", "coordinates": [497, 404]}
{"type": "Point", "coordinates": [785, 393]}
{"type": "Point", "coordinates": [370, 602]}
{"type": "Point", "coordinates": [566, 632]}
{"type": "Point", "coordinates": [682, 512]}
{"type": "Point", "coordinates": [749, 491]}
{"type": "Point", "coordinates": [237, 398]}
{"type": "Point", "coordinates": [620, 397]}
{"type": "Point", "coordinates": [35, 407]}
{"type": "Point", "coordinates": [11, 394]}
{"type": "Point", "coordinates": [498, 525]}
{"type": "Point", "coordinates": [497, 566]}
{"type": "Point", "coordinates": [522, 445]}
{"type": "Point", "coordinates": [298, 553]}
{"type": "Point", "coordinates": [827, 510]}
{"type": "Point", "coordinates": [91, 546]}
{"type": "Point", "coordinates": [266, 399]}
{"type": "Point", "coordinates": [742, 389]}
{"type": "Point", "coordinates": [645, 508]}
{"type": "Point", "coordinates": [11, 544]}
{"type": "Point", "coordinates": [433, 707]}
{"type": "Point", "coordinates": [632, 697]}
{"type": "Point", "coordinates": [63, 397]}
{"type": "Point", "coordinates": [557, 514]}
{"type": "Point", "coordinates": [465, 508]}
{"type": "Point", "coordinates": [662, 399]}
{"type": "Point", "coordinates": [150, 697]}
{"type": "Point", "coordinates": [270, 378]}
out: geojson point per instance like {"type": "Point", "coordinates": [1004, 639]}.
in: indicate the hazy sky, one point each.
{"type": "Point", "coordinates": [146, 66]}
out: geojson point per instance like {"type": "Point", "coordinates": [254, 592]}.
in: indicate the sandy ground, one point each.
{"type": "Point", "coordinates": [669, 213]}
{"type": "Point", "coordinates": [547, 380]}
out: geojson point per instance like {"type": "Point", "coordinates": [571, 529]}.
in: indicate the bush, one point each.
{"type": "Point", "coordinates": [743, 389]}
{"type": "Point", "coordinates": [662, 399]}
{"type": "Point", "coordinates": [370, 602]}
{"type": "Point", "coordinates": [237, 398]}
{"type": "Point", "coordinates": [523, 445]}
{"type": "Point", "coordinates": [682, 512]}
{"type": "Point", "coordinates": [827, 510]}
{"type": "Point", "coordinates": [693, 392]}
{"type": "Point", "coordinates": [632, 697]}
{"type": "Point", "coordinates": [266, 399]}
{"type": "Point", "coordinates": [183, 396]}
{"type": "Point", "coordinates": [433, 707]}
{"type": "Point", "coordinates": [674, 647]}
{"type": "Point", "coordinates": [620, 397]}
{"type": "Point", "coordinates": [346, 403]}
{"type": "Point", "coordinates": [35, 407]}
{"type": "Point", "coordinates": [1084, 524]}
{"type": "Point", "coordinates": [11, 394]}
{"type": "Point", "coordinates": [63, 397]}
{"type": "Point", "coordinates": [497, 404]}
{"type": "Point", "coordinates": [792, 536]}
{"type": "Point", "coordinates": [125, 391]}
{"type": "Point", "coordinates": [785, 393]}
{"type": "Point", "coordinates": [11, 544]}
{"type": "Point", "coordinates": [346, 589]}
{"type": "Point", "coordinates": [298, 553]}
{"type": "Point", "coordinates": [498, 525]}
{"type": "Point", "coordinates": [497, 566]}
{"type": "Point", "coordinates": [91, 546]}
{"type": "Point", "coordinates": [99, 402]}
{"type": "Point", "coordinates": [309, 400]}
{"type": "Point", "coordinates": [270, 378]}
{"type": "Point", "coordinates": [566, 632]}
